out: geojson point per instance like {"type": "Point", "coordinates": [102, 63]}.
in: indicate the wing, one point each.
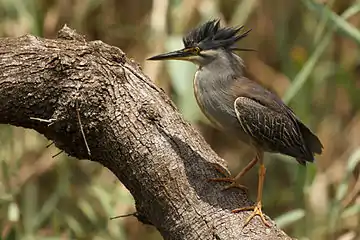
{"type": "Point", "coordinates": [310, 143]}
{"type": "Point", "coordinates": [272, 129]}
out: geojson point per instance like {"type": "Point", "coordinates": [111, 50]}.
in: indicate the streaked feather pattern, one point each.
{"type": "Point", "coordinates": [271, 124]}
{"type": "Point", "coordinates": [270, 130]}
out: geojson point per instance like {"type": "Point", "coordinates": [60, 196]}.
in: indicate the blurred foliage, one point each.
{"type": "Point", "coordinates": [307, 51]}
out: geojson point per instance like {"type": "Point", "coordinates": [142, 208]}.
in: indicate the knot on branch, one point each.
{"type": "Point", "coordinates": [109, 52]}
{"type": "Point", "coordinates": [69, 34]}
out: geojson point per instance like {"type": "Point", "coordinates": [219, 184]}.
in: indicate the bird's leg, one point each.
{"type": "Point", "coordinates": [221, 170]}
{"type": "Point", "coordinates": [235, 182]}
{"type": "Point", "coordinates": [257, 209]}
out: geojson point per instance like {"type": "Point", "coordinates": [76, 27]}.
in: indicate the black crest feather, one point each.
{"type": "Point", "coordinates": [210, 36]}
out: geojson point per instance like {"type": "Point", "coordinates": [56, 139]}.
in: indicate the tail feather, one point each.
{"type": "Point", "coordinates": [312, 143]}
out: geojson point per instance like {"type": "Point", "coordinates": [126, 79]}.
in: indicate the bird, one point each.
{"type": "Point", "coordinates": [240, 106]}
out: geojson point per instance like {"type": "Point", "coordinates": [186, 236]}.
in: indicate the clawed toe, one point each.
{"type": "Point", "coordinates": [236, 185]}
{"type": "Point", "coordinates": [221, 170]}
{"type": "Point", "coordinates": [233, 183]}
{"type": "Point", "coordinates": [257, 211]}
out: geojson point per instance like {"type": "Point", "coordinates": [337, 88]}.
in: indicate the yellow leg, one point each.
{"type": "Point", "coordinates": [235, 181]}
{"type": "Point", "coordinates": [257, 209]}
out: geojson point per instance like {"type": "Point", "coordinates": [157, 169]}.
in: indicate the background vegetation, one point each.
{"type": "Point", "coordinates": [307, 52]}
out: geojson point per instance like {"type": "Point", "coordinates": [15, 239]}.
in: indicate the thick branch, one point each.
{"type": "Point", "coordinates": [131, 127]}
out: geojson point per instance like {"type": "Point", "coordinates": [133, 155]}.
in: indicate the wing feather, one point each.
{"type": "Point", "coordinates": [273, 130]}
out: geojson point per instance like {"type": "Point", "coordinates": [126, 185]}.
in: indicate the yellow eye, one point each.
{"type": "Point", "coordinates": [193, 49]}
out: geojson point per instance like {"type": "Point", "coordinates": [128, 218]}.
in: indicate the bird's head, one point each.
{"type": "Point", "coordinates": [205, 42]}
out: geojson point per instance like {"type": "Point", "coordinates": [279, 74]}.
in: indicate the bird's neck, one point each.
{"type": "Point", "coordinates": [226, 63]}
{"type": "Point", "coordinates": [215, 79]}
{"type": "Point", "coordinates": [220, 72]}
{"type": "Point", "coordinates": [212, 87]}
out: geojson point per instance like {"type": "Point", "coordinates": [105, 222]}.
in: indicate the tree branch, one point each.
{"type": "Point", "coordinates": [131, 127]}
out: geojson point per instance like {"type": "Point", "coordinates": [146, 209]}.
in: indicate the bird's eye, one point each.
{"type": "Point", "coordinates": [194, 50]}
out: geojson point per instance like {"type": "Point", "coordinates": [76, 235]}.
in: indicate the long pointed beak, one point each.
{"type": "Point", "coordinates": [175, 55]}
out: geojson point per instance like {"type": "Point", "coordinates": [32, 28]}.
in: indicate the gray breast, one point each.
{"type": "Point", "coordinates": [213, 98]}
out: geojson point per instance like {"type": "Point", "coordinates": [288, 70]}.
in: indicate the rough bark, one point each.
{"type": "Point", "coordinates": [131, 127]}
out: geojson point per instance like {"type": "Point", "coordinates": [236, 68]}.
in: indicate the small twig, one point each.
{"type": "Point", "coordinates": [139, 217]}
{"type": "Point", "coordinates": [49, 121]}
{"type": "Point", "coordinates": [54, 156]}
{"type": "Point", "coordinates": [47, 146]}
{"type": "Point", "coordinates": [125, 215]}
{"type": "Point", "coordinates": [81, 128]}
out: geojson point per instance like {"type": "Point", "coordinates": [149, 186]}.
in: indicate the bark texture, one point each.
{"type": "Point", "coordinates": [131, 127]}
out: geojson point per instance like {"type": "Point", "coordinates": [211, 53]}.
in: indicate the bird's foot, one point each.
{"type": "Point", "coordinates": [233, 183]}
{"type": "Point", "coordinates": [256, 211]}
{"type": "Point", "coordinates": [227, 178]}
{"type": "Point", "coordinates": [223, 171]}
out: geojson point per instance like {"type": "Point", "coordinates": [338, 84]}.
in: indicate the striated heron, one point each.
{"type": "Point", "coordinates": [240, 106]}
